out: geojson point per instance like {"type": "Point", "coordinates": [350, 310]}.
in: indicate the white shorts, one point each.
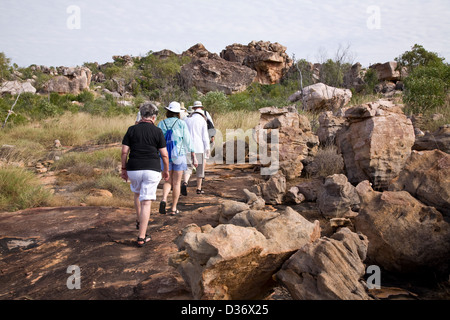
{"type": "Point", "coordinates": [144, 182]}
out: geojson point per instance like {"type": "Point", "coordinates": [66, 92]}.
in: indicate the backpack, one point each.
{"type": "Point", "coordinates": [211, 129]}
{"type": "Point", "coordinates": [171, 144]}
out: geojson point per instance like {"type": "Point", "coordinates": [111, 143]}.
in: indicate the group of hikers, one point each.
{"type": "Point", "coordinates": [169, 150]}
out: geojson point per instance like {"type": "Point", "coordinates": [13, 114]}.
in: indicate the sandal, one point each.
{"type": "Point", "coordinates": [184, 189]}
{"type": "Point", "coordinates": [199, 191]}
{"type": "Point", "coordinates": [162, 207]}
{"type": "Point", "coordinates": [174, 213]}
{"type": "Point", "coordinates": [143, 240]}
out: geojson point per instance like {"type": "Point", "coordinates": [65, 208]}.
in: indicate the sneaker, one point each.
{"type": "Point", "coordinates": [184, 189]}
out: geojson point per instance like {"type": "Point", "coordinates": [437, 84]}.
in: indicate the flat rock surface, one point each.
{"type": "Point", "coordinates": [38, 245]}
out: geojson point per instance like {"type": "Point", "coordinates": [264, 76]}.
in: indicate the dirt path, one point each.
{"type": "Point", "coordinates": [38, 245]}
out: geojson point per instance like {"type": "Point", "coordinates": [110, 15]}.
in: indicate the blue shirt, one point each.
{"type": "Point", "coordinates": [180, 134]}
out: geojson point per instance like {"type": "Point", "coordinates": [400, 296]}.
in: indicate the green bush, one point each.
{"type": "Point", "coordinates": [426, 88]}
{"type": "Point", "coordinates": [20, 189]}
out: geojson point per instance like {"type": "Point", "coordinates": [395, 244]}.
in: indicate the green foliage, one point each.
{"type": "Point", "coordinates": [4, 67]}
{"type": "Point", "coordinates": [418, 56]}
{"type": "Point", "coordinates": [20, 189]}
{"type": "Point", "coordinates": [428, 82]}
{"type": "Point", "coordinates": [332, 73]}
{"type": "Point", "coordinates": [426, 88]}
{"type": "Point", "coordinates": [370, 81]}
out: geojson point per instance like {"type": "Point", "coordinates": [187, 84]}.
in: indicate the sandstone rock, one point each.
{"type": "Point", "coordinates": [254, 201]}
{"type": "Point", "coordinates": [216, 74]}
{"type": "Point", "coordinates": [404, 234]}
{"type": "Point", "coordinates": [310, 189]}
{"type": "Point", "coordinates": [376, 144]}
{"type": "Point", "coordinates": [72, 80]}
{"type": "Point", "coordinates": [329, 125]}
{"type": "Point", "coordinates": [426, 176]}
{"type": "Point", "coordinates": [337, 197]}
{"type": "Point", "coordinates": [320, 97]}
{"type": "Point", "coordinates": [208, 72]}
{"type": "Point", "coordinates": [354, 78]}
{"type": "Point", "coordinates": [388, 71]}
{"type": "Point", "coordinates": [296, 142]}
{"type": "Point", "coordinates": [269, 60]}
{"type": "Point", "coordinates": [293, 195]}
{"type": "Point", "coordinates": [237, 262]}
{"type": "Point", "coordinates": [229, 208]}
{"type": "Point", "coordinates": [16, 87]}
{"type": "Point", "coordinates": [440, 139]}
{"type": "Point", "coordinates": [327, 269]}
{"type": "Point", "coordinates": [274, 189]}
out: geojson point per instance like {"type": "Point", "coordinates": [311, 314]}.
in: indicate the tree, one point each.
{"type": "Point", "coordinates": [428, 82]}
{"type": "Point", "coordinates": [418, 56]}
{"type": "Point", "coordinates": [4, 67]}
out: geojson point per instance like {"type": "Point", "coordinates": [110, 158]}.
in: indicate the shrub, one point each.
{"type": "Point", "coordinates": [328, 161]}
{"type": "Point", "coordinates": [426, 87]}
{"type": "Point", "coordinates": [20, 189]}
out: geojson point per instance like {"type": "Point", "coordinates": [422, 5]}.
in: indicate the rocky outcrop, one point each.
{"type": "Point", "coordinates": [71, 80]}
{"type": "Point", "coordinates": [296, 142]}
{"type": "Point", "coordinates": [16, 87]}
{"type": "Point", "coordinates": [320, 97]}
{"type": "Point", "coordinates": [354, 77]}
{"type": "Point", "coordinates": [388, 71]}
{"type": "Point", "coordinates": [208, 72]}
{"type": "Point", "coordinates": [329, 125]}
{"type": "Point", "coordinates": [426, 176]}
{"type": "Point", "coordinates": [440, 139]}
{"type": "Point", "coordinates": [376, 143]}
{"type": "Point", "coordinates": [337, 198]}
{"type": "Point", "coordinates": [328, 269]}
{"type": "Point", "coordinates": [238, 261]}
{"type": "Point", "coordinates": [269, 60]}
{"type": "Point", "coordinates": [404, 234]}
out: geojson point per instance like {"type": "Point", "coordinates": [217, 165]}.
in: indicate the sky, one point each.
{"type": "Point", "coordinates": [71, 32]}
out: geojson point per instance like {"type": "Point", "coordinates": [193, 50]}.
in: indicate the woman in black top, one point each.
{"type": "Point", "coordinates": [142, 146]}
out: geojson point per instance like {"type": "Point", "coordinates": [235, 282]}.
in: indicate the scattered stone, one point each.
{"type": "Point", "coordinates": [404, 234]}
{"type": "Point", "coordinates": [328, 269]}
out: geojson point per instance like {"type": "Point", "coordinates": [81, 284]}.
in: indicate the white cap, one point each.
{"type": "Point", "coordinates": [174, 107]}
{"type": "Point", "coordinates": [198, 104]}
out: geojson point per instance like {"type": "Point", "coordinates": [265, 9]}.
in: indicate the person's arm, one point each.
{"type": "Point", "coordinates": [124, 157]}
{"type": "Point", "coordinates": [165, 159]}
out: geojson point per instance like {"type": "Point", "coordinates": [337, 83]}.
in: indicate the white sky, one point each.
{"type": "Point", "coordinates": [36, 31]}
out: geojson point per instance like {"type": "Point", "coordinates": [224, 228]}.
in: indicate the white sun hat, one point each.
{"type": "Point", "coordinates": [174, 106]}
{"type": "Point", "coordinates": [198, 104]}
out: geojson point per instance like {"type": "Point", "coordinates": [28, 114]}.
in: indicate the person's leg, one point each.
{"type": "Point", "coordinates": [137, 207]}
{"type": "Point", "coordinates": [200, 173]}
{"type": "Point", "coordinates": [146, 206]}
{"type": "Point", "coordinates": [176, 186]}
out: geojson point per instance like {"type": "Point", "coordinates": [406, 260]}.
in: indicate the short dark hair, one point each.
{"type": "Point", "coordinates": [148, 110]}
{"type": "Point", "coordinates": [170, 114]}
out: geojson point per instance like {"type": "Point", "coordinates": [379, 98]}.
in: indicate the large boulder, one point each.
{"type": "Point", "coordinates": [337, 197]}
{"type": "Point", "coordinates": [328, 269]}
{"type": "Point", "coordinates": [208, 72]}
{"type": "Point", "coordinates": [388, 71]}
{"type": "Point", "coordinates": [269, 60]}
{"type": "Point", "coordinates": [238, 261]}
{"type": "Point", "coordinates": [376, 143]}
{"type": "Point", "coordinates": [404, 234]}
{"type": "Point", "coordinates": [320, 97]}
{"type": "Point", "coordinates": [71, 80]}
{"type": "Point", "coordinates": [297, 144]}
{"type": "Point", "coordinates": [426, 176]}
{"type": "Point", "coordinates": [16, 87]}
